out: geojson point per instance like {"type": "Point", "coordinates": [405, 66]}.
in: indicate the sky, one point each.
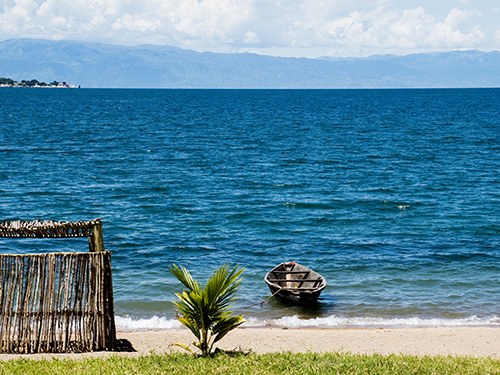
{"type": "Point", "coordinates": [290, 28]}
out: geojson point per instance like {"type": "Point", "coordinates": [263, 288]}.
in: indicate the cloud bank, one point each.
{"type": "Point", "coordinates": [294, 27]}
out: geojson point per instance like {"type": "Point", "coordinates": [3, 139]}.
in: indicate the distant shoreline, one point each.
{"type": "Point", "coordinates": [66, 86]}
{"type": "Point", "coordinates": [9, 82]}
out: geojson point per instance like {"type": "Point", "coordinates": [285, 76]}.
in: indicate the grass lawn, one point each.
{"type": "Point", "coordinates": [253, 364]}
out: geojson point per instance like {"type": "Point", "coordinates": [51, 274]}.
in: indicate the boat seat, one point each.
{"type": "Point", "coordinates": [296, 280]}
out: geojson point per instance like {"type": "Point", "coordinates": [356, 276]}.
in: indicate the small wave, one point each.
{"type": "Point", "coordinates": [128, 323]}
{"type": "Point", "coordinates": [337, 321]}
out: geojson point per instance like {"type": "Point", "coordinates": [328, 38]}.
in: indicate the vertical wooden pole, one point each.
{"type": "Point", "coordinates": [109, 304]}
{"type": "Point", "coordinates": [96, 241]}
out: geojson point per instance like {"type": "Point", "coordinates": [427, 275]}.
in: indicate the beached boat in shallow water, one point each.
{"type": "Point", "coordinates": [295, 284]}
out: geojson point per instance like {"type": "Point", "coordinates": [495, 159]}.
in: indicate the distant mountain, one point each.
{"type": "Point", "coordinates": [149, 66]}
{"type": "Point", "coordinates": [445, 69]}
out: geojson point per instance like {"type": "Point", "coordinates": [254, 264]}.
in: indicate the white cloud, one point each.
{"type": "Point", "coordinates": [358, 27]}
{"type": "Point", "coordinates": [448, 34]}
{"type": "Point", "coordinates": [386, 29]}
{"type": "Point", "coordinates": [210, 20]}
{"type": "Point", "coordinates": [457, 17]}
{"type": "Point", "coordinates": [251, 38]}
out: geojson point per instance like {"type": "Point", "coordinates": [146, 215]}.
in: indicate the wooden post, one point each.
{"type": "Point", "coordinates": [96, 241]}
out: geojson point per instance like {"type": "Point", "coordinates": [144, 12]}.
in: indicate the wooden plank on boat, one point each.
{"type": "Point", "coordinates": [295, 280]}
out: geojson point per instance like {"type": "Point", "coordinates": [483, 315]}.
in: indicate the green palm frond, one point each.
{"type": "Point", "coordinates": [184, 276]}
{"type": "Point", "coordinates": [183, 346]}
{"type": "Point", "coordinates": [205, 310]}
{"type": "Point", "coordinates": [226, 325]}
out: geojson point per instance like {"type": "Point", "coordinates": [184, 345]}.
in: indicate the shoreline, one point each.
{"type": "Point", "coordinates": [434, 341]}
{"type": "Point", "coordinates": [129, 323]}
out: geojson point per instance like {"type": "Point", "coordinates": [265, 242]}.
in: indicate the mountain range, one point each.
{"type": "Point", "coordinates": [96, 65]}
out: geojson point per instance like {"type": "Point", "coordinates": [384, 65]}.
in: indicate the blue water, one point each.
{"type": "Point", "coordinates": [392, 195]}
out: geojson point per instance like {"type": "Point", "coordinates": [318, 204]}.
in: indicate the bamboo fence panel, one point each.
{"type": "Point", "coordinates": [58, 302]}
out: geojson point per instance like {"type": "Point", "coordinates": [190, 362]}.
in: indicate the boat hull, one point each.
{"type": "Point", "coordinates": [295, 284]}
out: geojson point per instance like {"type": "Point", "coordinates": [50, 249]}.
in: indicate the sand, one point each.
{"type": "Point", "coordinates": [456, 341]}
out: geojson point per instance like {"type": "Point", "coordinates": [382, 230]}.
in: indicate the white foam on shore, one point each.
{"type": "Point", "coordinates": [128, 323]}
{"type": "Point", "coordinates": [337, 321]}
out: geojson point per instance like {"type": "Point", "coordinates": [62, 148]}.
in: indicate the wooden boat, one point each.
{"type": "Point", "coordinates": [295, 284]}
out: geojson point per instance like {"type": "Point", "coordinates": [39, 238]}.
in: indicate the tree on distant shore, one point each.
{"type": "Point", "coordinates": [31, 83]}
{"type": "Point", "coordinates": [7, 81]}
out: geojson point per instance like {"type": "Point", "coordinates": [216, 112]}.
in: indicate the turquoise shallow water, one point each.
{"type": "Point", "coordinates": [392, 195]}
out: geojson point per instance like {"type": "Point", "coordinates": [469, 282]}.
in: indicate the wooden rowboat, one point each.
{"type": "Point", "coordinates": [295, 284]}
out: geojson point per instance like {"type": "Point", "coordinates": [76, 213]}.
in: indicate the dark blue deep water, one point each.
{"type": "Point", "coordinates": [392, 195]}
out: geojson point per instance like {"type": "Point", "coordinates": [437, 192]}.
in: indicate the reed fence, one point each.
{"type": "Point", "coordinates": [56, 302]}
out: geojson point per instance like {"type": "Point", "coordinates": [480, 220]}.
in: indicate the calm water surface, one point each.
{"type": "Point", "coordinates": [392, 195]}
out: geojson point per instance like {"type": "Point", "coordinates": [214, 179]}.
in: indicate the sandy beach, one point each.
{"type": "Point", "coordinates": [471, 341]}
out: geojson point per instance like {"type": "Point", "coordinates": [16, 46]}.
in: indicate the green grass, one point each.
{"type": "Point", "coordinates": [253, 364]}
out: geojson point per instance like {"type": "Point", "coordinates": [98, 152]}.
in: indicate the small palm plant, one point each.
{"type": "Point", "coordinates": [205, 310]}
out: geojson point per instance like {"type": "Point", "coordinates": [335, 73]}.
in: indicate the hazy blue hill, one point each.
{"type": "Point", "coordinates": [454, 69]}
{"type": "Point", "coordinates": [106, 65]}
